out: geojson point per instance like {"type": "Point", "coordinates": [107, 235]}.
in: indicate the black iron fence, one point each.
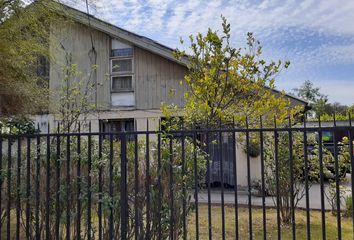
{"type": "Point", "coordinates": [259, 183]}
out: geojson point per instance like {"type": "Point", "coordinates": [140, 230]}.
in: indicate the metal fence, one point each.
{"type": "Point", "coordinates": [173, 185]}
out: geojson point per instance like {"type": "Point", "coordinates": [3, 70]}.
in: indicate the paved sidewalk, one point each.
{"type": "Point", "coordinates": [229, 197]}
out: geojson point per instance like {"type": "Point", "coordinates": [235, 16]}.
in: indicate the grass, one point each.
{"type": "Point", "coordinates": [271, 222]}
{"type": "Point", "coordinates": [257, 224]}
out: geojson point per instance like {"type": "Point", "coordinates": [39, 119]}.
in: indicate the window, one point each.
{"type": "Point", "coordinates": [122, 83]}
{"type": "Point", "coordinates": [116, 126]}
{"type": "Point", "coordinates": [122, 68]}
{"type": "Point", "coordinates": [43, 67]}
{"type": "Point", "coordinates": [123, 52]}
{"type": "Point", "coordinates": [122, 65]}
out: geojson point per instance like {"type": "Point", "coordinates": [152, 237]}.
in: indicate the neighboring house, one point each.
{"type": "Point", "coordinates": [129, 95]}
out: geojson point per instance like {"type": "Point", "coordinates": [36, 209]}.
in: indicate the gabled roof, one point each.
{"type": "Point", "coordinates": [117, 32]}
{"type": "Point", "coordinates": [123, 34]}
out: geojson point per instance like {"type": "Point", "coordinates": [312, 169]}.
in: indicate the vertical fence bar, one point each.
{"type": "Point", "coordinates": [276, 153]}
{"type": "Point", "coordinates": [264, 216]}
{"type": "Point", "coordinates": [1, 180]}
{"type": "Point", "coordinates": [210, 231]}
{"type": "Point", "coordinates": [18, 207]}
{"type": "Point", "coordinates": [124, 200]}
{"type": "Point", "coordinates": [196, 183]}
{"type": "Point", "coordinates": [68, 188]}
{"type": "Point", "coordinates": [235, 175]}
{"type": "Point", "coordinates": [292, 204]}
{"type": "Point", "coordinates": [37, 187]}
{"type": "Point", "coordinates": [222, 184]}
{"type": "Point", "coordinates": [89, 169]}
{"type": "Point", "coordinates": [28, 187]}
{"type": "Point", "coordinates": [147, 187]}
{"type": "Point", "coordinates": [136, 187]}
{"type": "Point", "coordinates": [322, 189]}
{"type": "Point", "coordinates": [159, 230]}
{"type": "Point", "coordinates": [57, 200]}
{"type": "Point", "coordinates": [336, 166]}
{"type": "Point", "coordinates": [110, 221]}
{"type": "Point", "coordinates": [78, 173]}
{"type": "Point", "coordinates": [307, 198]}
{"type": "Point", "coordinates": [47, 229]}
{"type": "Point", "coordinates": [351, 154]}
{"type": "Point", "coordinates": [8, 211]}
{"type": "Point", "coordinates": [184, 211]}
{"type": "Point", "coordinates": [171, 189]}
{"type": "Point", "coordinates": [100, 230]}
{"type": "Point", "coordinates": [249, 182]}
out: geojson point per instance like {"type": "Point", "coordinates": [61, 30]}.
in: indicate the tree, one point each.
{"type": "Point", "coordinates": [74, 95]}
{"type": "Point", "coordinates": [320, 105]}
{"type": "Point", "coordinates": [313, 96]}
{"type": "Point", "coordinates": [24, 51]}
{"type": "Point", "coordinates": [227, 83]}
{"type": "Point", "coordinates": [21, 41]}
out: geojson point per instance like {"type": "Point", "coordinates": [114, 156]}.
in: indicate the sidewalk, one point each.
{"type": "Point", "coordinates": [229, 197]}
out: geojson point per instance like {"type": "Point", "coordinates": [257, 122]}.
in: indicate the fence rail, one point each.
{"type": "Point", "coordinates": [255, 183]}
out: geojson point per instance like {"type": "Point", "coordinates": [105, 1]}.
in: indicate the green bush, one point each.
{"type": "Point", "coordinates": [253, 149]}
{"type": "Point", "coordinates": [18, 125]}
{"type": "Point", "coordinates": [349, 206]}
{"type": "Point", "coordinates": [102, 167]}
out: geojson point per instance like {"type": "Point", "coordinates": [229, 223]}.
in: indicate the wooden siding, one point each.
{"type": "Point", "coordinates": [155, 77]}
{"type": "Point", "coordinates": [75, 39]}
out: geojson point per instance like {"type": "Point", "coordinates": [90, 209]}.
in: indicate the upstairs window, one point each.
{"type": "Point", "coordinates": [122, 67]}
{"type": "Point", "coordinates": [122, 52]}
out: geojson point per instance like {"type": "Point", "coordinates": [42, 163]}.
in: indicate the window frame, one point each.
{"type": "Point", "coordinates": [122, 73]}
{"type": "Point", "coordinates": [104, 122]}
{"type": "Point", "coordinates": [122, 90]}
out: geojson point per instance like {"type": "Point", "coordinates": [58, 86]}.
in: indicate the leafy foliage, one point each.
{"type": "Point", "coordinates": [227, 83]}
{"type": "Point", "coordinates": [278, 159]}
{"type": "Point", "coordinates": [68, 186]}
{"type": "Point", "coordinates": [320, 105]}
{"type": "Point", "coordinates": [75, 97]}
{"type": "Point", "coordinates": [18, 125]}
{"type": "Point", "coordinates": [24, 34]}
{"type": "Point", "coordinates": [253, 148]}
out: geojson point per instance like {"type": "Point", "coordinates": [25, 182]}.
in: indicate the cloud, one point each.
{"type": "Point", "coordinates": [310, 33]}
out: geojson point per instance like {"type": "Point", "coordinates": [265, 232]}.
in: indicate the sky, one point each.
{"type": "Point", "coordinates": [316, 36]}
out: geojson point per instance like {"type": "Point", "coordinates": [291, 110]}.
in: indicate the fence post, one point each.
{"type": "Point", "coordinates": [123, 204]}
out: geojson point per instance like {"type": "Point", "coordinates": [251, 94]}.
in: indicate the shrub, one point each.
{"type": "Point", "coordinates": [284, 171]}
{"type": "Point", "coordinates": [253, 149]}
{"type": "Point", "coordinates": [102, 167]}
{"type": "Point", "coordinates": [349, 206]}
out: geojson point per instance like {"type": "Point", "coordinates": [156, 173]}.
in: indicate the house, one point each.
{"type": "Point", "coordinates": [127, 97]}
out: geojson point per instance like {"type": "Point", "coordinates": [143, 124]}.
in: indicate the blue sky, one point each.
{"type": "Point", "coordinates": [316, 36]}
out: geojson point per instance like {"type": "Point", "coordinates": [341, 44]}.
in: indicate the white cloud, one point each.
{"type": "Point", "coordinates": [309, 33]}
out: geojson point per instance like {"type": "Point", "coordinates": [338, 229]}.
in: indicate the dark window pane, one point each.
{"type": "Point", "coordinates": [124, 52]}
{"type": "Point", "coordinates": [122, 83]}
{"type": "Point", "coordinates": [116, 126]}
{"type": "Point", "coordinates": [43, 67]}
{"type": "Point", "coordinates": [122, 65]}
